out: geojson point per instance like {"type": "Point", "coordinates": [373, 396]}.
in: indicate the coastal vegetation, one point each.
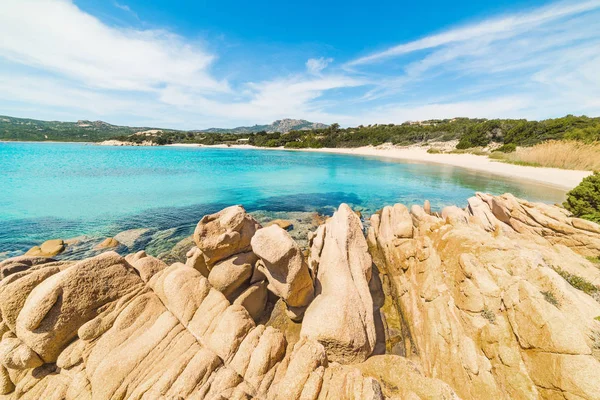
{"type": "Point", "coordinates": [584, 200]}
{"type": "Point", "coordinates": [565, 154]}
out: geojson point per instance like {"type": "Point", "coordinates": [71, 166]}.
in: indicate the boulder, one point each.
{"type": "Point", "coordinates": [232, 276]}
{"type": "Point", "coordinates": [49, 248]}
{"type": "Point", "coordinates": [196, 260]}
{"type": "Point", "coordinates": [341, 315]}
{"type": "Point", "coordinates": [282, 223]}
{"type": "Point", "coordinates": [21, 263]}
{"type": "Point", "coordinates": [283, 265]}
{"type": "Point", "coordinates": [225, 233]}
{"type": "Point", "coordinates": [57, 307]}
{"type": "Point", "coordinates": [254, 299]}
{"type": "Point", "coordinates": [107, 243]}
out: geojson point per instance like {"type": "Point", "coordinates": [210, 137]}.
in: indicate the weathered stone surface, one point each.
{"type": "Point", "coordinates": [482, 303]}
{"type": "Point", "coordinates": [254, 299]}
{"type": "Point", "coordinates": [107, 243]}
{"type": "Point", "coordinates": [284, 266]}
{"type": "Point", "coordinates": [232, 276]}
{"type": "Point", "coordinates": [196, 260]}
{"type": "Point", "coordinates": [225, 233]}
{"type": "Point", "coordinates": [478, 313]}
{"type": "Point", "coordinates": [282, 223]}
{"type": "Point", "coordinates": [56, 308]}
{"type": "Point", "coordinates": [49, 248]}
{"type": "Point", "coordinates": [341, 315]}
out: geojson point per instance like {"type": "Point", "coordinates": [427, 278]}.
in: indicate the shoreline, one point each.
{"type": "Point", "coordinates": [564, 179]}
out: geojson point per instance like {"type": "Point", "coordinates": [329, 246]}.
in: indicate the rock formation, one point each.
{"type": "Point", "coordinates": [497, 300]}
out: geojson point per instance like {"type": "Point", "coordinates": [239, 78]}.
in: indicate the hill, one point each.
{"type": "Point", "coordinates": [25, 129]}
{"type": "Point", "coordinates": [281, 126]}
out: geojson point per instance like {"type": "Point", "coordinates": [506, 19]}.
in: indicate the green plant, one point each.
{"type": "Point", "coordinates": [584, 200]}
{"type": "Point", "coordinates": [595, 260]}
{"type": "Point", "coordinates": [432, 150]}
{"type": "Point", "coordinates": [578, 282]}
{"type": "Point", "coordinates": [550, 298]}
{"type": "Point", "coordinates": [597, 318]}
{"type": "Point", "coordinates": [489, 315]}
{"type": "Point", "coordinates": [507, 148]}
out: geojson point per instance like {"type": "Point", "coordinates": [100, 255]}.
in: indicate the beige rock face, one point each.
{"type": "Point", "coordinates": [341, 315]}
{"type": "Point", "coordinates": [49, 248]}
{"type": "Point", "coordinates": [225, 233]}
{"type": "Point", "coordinates": [232, 276]}
{"type": "Point", "coordinates": [284, 266]}
{"type": "Point", "coordinates": [474, 305]}
{"type": "Point", "coordinates": [482, 303]}
{"type": "Point", "coordinates": [108, 243]}
{"type": "Point", "coordinates": [102, 329]}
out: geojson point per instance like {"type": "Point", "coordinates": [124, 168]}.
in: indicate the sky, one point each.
{"type": "Point", "coordinates": [200, 64]}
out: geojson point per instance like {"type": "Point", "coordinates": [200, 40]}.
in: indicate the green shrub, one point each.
{"type": "Point", "coordinates": [550, 298]}
{"type": "Point", "coordinates": [578, 282]}
{"type": "Point", "coordinates": [584, 200]}
{"type": "Point", "coordinates": [432, 150]}
{"type": "Point", "coordinates": [507, 148]}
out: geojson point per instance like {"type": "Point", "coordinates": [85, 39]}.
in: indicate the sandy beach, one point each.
{"type": "Point", "coordinates": [554, 177]}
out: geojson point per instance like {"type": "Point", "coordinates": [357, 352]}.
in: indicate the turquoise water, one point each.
{"type": "Point", "coordinates": [61, 190]}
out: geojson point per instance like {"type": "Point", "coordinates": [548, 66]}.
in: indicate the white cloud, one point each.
{"type": "Point", "coordinates": [56, 36]}
{"type": "Point", "coordinates": [314, 66]}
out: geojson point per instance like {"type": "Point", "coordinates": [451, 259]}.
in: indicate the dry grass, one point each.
{"type": "Point", "coordinates": [556, 154]}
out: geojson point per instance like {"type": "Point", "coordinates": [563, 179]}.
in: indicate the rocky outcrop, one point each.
{"type": "Point", "coordinates": [341, 316]}
{"type": "Point", "coordinates": [483, 300]}
{"type": "Point", "coordinates": [224, 234]}
{"type": "Point", "coordinates": [135, 327]}
{"type": "Point", "coordinates": [49, 248]}
{"type": "Point", "coordinates": [492, 301]}
{"type": "Point", "coordinates": [282, 262]}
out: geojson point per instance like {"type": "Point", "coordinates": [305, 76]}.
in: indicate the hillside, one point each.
{"type": "Point", "coordinates": [24, 129]}
{"type": "Point", "coordinates": [281, 126]}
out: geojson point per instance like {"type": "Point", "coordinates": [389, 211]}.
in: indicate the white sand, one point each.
{"type": "Point", "coordinates": [554, 177]}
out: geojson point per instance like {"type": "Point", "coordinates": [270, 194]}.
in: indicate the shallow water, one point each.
{"type": "Point", "coordinates": [62, 190]}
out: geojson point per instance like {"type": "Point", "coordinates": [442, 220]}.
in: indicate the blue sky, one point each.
{"type": "Point", "coordinates": [198, 64]}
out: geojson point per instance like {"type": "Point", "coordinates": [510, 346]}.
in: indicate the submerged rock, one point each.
{"type": "Point", "coordinates": [49, 248]}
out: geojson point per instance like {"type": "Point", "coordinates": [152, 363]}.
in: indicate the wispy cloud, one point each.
{"type": "Point", "coordinates": [314, 66]}
{"type": "Point", "coordinates": [127, 9]}
{"type": "Point", "coordinates": [488, 30]}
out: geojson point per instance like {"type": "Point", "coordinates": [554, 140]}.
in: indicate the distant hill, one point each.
{"type": "Point", "coordinates": [281, 126]}
{"type": "Point", "coordinates": [12, 128]}
{"type": "Point", "coordinates": [25, 129]}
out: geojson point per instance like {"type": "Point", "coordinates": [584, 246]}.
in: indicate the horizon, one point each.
{"type": "Point", "coordinates": [189, 66]}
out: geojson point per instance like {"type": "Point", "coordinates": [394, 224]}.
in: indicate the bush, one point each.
{"type": "Point", "coordinates": [550, 298]}
{"type": "Point", "coordinates": [584, 200]}
{"type": "Point", "coordinates": [432, 150]}
{"type": "Point", "coordinates": [578, 282]}
{"type": "Point", "coordinates": [507, 148]}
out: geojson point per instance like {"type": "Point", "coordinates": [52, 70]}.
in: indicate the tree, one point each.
{"type": "Point", "coordinates": [584, 200]}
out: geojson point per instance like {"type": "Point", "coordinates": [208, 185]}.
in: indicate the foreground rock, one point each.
{"type": "Point", "coordinates": [486, 308]}
{"type": "Point", "coordinates": [341, 316]}
{"type": "Point", "coordinates": [282, 262]}
{"type": "Point", "coordinates": [496, 300]}
{"type": "Point", "coordinates": [225, 233]}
